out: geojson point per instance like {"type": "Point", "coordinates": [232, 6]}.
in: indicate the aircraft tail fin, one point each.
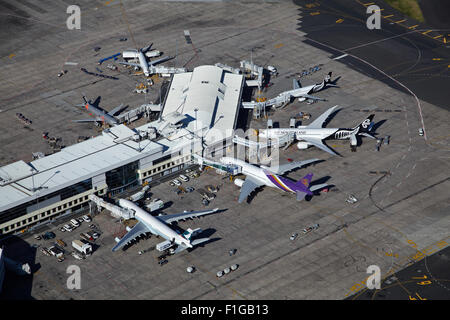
{"type": "Point", "coordinates": [296, 84]}
{"type": "Point", "coordinates": [303, 185]}
{"type": "Point", "coordinates": [327, 78]}
{"type": "Point", "coordinates": [366, 125]}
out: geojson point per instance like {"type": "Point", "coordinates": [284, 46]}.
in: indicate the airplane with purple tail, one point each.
{"type": "Point", "coordinates": [265, 176]}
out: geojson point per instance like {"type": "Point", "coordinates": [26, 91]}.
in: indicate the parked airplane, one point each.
{"type": "Point", "coordinates": [303, 93]}
{"type": "Point", "coordinates": [141, 56]}
{"type": "Point", "coordinates": [159, 225]}
{"type": "Point", "coordinates": [270, 176]}
{"type": "Point", "coordinates": [99, 115]}
{"type": "Point", "coordinates": [314, 133]}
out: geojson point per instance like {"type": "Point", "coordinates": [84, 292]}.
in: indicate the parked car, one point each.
{"type": "Point", "coordinates": [294, 236]}
{"type": "Point", "coordinates": [87, 218]}
{"type": "Point", "coordinates": [67, 227]}
{"type": "Point", "coordinates": [61, 243]}
{"type": "Point", "coordinates": [37, 237]}
{"type": "Point", "coordinates": [420, 132]}
{"type": "Point", "coordinates": [219, 274]}
{"type": "Point", "coordinates": [183, 178]}
{"type": "Point", "coordinates": [80, 220]}
{"type": "Point", "coordinates": [171, 184]}
{"type": "Point", "coordinates": [45, 251]}
{"type": "Point", "coordinates": [48, 235]}
{"type": "Point", "coordinates": [94, 235]}
{"type": "Point", "coordinates": [205, 202]}
{"type": "Point", "coordinates": [211, 188]}
{"type": "Point", "coordinates": [86, 237]}
{"type": "Point", "coordinates": [62, 229]}
{"type": "Point", "coordinates": [190, 189]}
{"type": "Point", "coordinates": [176, 182]}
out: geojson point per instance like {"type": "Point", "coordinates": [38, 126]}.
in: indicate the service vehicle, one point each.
{"type": "Point", "coordinates": [74, 223]}
{"type": "Point", "coordinates": [84, 248]}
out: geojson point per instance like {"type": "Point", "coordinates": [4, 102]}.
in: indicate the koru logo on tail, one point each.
{"type": "Point", "coordinates": [365, 123]}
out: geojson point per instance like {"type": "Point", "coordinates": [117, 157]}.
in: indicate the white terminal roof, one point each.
{"type": "Point", "coordinates": [73, 164]}
{"type": "Point", "coordinates": [214, 92]}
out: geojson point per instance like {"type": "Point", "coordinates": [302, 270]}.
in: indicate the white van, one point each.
{"type": "Point", "coordinates": [74, 223]}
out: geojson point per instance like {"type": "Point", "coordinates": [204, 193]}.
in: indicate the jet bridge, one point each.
{"type": "Point", "coordinates": [222, 168]}
{"type": "Point", "coordinates": [116, 211]}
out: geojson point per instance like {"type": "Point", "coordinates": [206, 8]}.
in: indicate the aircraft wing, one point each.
{"type": "Point", "coordinates": [185, 215]}
{"type": "Point", "coordinates": [130, 64]}
{"type": "Point", "coordinates": [318, 123]}
{"type": "Point", "coordinates": [135, 232]}
{"type": "Point", "coordinates": [160, 60]}
{"type": "Point", "coordinates": [250, 184]}
{"type": "Point", "coordinates": [312, 97]}
{"type": "Point", "coordinates": [319, 144]}
{"type": "Point", "coordinates": [116, 109]}
{"type": "Point", "coordinates": [291, 166]}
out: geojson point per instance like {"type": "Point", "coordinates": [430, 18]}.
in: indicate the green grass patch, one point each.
{"type": "Point", "coordinates": [409, 7]}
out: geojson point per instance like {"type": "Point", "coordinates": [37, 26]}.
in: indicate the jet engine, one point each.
{"type": "Point", "coordinates": [128, 229]}
{"type": "Point", "coordinates": [303, 145]}
{"type": "Point", "coordinates": [353, 140]}
{"type": "Point", "coordinates": [239, 182]}
{"type": "Point", "coordinates": [301, 99]}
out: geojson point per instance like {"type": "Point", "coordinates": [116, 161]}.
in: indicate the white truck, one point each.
{"type": "Point", "coordinates": [155, 204]}
{"type": "Point", "coordinates": [82, 247]}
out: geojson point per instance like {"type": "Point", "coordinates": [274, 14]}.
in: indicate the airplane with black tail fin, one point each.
{"type": "Point", "coordinates": [314, 133]}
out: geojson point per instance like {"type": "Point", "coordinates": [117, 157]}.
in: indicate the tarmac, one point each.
{"type": "Point", "coordinates": [399, 218]}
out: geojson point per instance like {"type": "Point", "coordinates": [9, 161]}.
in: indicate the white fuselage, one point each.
{"type": "Point", "coordinates": [144, 64]}
{"type": "Point", "coordinates": [154, 223]}
{"type": "Point", "coordinates": [249, 170]}
{"type": "Point", "coordinates": [300, 132]}
{"type": "Point", "coordinates": [296, 93]}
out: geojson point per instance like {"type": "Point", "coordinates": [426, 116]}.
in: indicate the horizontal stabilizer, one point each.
{"type": "Point", "coordinates": [196, 242]}
{"type": "Point", "coordinates": [318, 187]}
{"type": "Point", "coordinates": [300, 195]}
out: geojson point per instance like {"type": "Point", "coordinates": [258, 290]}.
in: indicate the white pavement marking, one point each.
{"type": "Point", "coordinates": [340, 57]}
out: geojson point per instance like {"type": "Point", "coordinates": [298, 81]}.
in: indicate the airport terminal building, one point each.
{"type": "Point", "coordinates": [198, 104]}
